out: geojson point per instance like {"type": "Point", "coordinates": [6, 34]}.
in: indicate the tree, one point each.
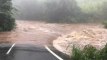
{"type": "Point", "coordinates": [62, 10]}
{"type": "Point", "coordinates": [7, 22]}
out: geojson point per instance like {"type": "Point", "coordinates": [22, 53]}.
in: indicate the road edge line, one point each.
{"type": "Point", "coordinates": [58, 57]}
{"type": "Point", "coordinates": [10, 49]}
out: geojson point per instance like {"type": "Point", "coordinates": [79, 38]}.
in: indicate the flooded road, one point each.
{"type": "Point", "coordinates": [40, 33]}
{"type": "Point", "coordinates": [25, 52]}
{"type": "Point", "coordinates": [32, 32]}
{"type": "Point", "coordinates": [31, 36]}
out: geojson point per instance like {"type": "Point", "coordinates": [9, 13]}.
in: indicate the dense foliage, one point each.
{"type": "Point", "coordinates": [89, 53]}
{"type": "Point", "coordinates": [62, 10]}
{"type": "Point", "coordinates": [105, 24]}
{"type": "Point", "coordinates": [7, 22]}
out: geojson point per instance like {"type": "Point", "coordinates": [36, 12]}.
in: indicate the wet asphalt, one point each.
{"type": "Point", "coordinates": [25, 52]}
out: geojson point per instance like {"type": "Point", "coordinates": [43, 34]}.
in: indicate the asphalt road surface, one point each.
{"type": "Point", "coordinates": [25, 52]}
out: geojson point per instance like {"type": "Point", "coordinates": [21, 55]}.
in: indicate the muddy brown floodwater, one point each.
{"type": "Point", "coordinates": [40, 33]}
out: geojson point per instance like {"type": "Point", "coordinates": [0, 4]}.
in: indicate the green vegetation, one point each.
{"type": "Point", "coordinates": [63, 10]}
{"type": "Point", "coordinates": [89, 53]}
{"type": "Point", "coordinates": [7, 22]}
{"type": "Point", "coordinates": [105, 24]}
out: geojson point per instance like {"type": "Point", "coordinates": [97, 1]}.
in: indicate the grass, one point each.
{"type": "Point", "coordinates": [89, 53]}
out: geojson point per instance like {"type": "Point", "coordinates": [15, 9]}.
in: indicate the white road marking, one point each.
{"type": "Point", "coordinates": [10, 49]}
{"type": "Point", "coordinates": [53, 53]}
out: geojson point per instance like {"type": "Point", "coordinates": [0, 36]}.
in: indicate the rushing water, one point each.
{"type": "Point", "coordinates": [31, 32]}
{"type": "Point", "coordinates": [39, 33]}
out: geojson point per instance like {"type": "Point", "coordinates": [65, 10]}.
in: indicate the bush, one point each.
{"type": "Point", "coordinates": [105, 24]}
{"type": "Point", "coordinates": [7, 22]}
{"type": "Point", "coordinates": [89, 53]}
